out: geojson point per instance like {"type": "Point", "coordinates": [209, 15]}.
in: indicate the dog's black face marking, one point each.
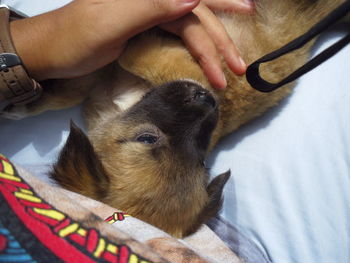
{"type": "Point", "coordinates": [185, 112]}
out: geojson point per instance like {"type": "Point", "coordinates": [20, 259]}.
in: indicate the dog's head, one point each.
{"type": "Point", "coordinates": [149, 160]}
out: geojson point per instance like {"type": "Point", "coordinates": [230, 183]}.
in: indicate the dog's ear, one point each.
{"type": "Point", "coordinates": [214, 190]}
{"type": "Point", "coordinates": [214, 203]}
{"type": "Point", "coordinates": [78, 168]}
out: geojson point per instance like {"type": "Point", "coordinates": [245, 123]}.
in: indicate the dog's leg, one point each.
{"type": "Point", "coordinates": [57, 94]}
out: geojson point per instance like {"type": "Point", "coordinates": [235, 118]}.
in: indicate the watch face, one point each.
{"type": "Point", "coordinates": [8, 60]}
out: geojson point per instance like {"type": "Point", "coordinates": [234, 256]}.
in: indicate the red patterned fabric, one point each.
{"type": "Point", "coordinates": [47, 234]}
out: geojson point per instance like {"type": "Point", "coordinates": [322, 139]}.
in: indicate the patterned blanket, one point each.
{"type": "Point", "coordinates": [41, 222]}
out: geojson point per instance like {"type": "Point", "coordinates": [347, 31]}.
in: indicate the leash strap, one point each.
{"type": "Point", "coordinates": [253, 74]}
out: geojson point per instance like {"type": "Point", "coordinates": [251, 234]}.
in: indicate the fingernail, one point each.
{"type": "Point", "coordinates": [224, 82]}
{"type": "Point", "coordinates": [242, 63]}
{"type": "Point", "coordinates": [248, 4]}
{"type": "Point", "coordinates": [187, 2]}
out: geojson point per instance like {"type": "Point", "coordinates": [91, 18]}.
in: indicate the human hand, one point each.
{"type": "Point", "coordinates": [207, 40]}
{"type": "Point", "coordinates": [85, 35]}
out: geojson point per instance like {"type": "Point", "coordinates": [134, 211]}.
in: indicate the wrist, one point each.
{"type": "Point", "coordinates": [31, 38]}
{"type": "Point", "coordinates": [15, 86]}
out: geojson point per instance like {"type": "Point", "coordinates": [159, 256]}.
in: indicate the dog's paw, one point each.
{"type": "Point", "coordinates": [14, 112]}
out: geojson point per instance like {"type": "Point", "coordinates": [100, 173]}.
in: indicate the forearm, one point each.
{"type": "Point", "coordinates": [32, 38]}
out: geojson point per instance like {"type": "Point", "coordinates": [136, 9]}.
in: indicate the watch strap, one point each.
{"type": "Point", "coordinates": [15, 84]}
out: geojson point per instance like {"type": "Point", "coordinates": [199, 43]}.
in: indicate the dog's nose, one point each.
{"type": "Point", "coordinates": [199, 94]}
{"type": "Point", "coordinates": [202, 96]}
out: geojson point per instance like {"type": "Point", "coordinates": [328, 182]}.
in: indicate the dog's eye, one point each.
{"type": "Point", "coordinates": [147, 138]}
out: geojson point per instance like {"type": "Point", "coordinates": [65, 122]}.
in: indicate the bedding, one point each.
{"type": "Point", "coordinates": [44, 223]}
{"type": "Point", "coordinates": [287, 199]}
{"type": "Point", "coordinates": [291, 169]}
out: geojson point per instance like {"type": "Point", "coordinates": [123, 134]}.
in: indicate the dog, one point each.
{"type": "Point", "coordinates": [152, 117]}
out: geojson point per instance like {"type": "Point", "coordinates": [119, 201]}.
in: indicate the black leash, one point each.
{"type": "Point", "coordinates": [253, 74]}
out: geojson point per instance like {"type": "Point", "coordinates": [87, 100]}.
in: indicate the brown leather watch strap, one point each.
{"type": "Point", "coordinates": [15, 84]}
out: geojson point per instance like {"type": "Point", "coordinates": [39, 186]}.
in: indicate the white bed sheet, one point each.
{"type": "Point", "coordinates": [289, 190]}
{"type": "Point", "coordinates": [291, 171]}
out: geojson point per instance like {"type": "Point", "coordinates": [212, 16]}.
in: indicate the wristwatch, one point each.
{"type": "Point", "coordinates": [15, 85]}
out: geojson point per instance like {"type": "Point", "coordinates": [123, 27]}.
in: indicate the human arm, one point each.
{"type": "Point", "coordinates": [85, 35]}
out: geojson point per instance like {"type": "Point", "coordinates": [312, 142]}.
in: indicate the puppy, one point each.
{"type": "Point", "coordinates": [152, 117]}
{"type": "Point", "coordinates": [149, 160]}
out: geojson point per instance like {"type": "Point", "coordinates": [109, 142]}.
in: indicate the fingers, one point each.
{"type": "Point", "coordinates": [206, 39]}
{"type": "Point", "coordinates": [230, 5]}
{"type": "Point", "coordinates": [201, 47]}
{"type": "Point", "coordinates": [221, 39]}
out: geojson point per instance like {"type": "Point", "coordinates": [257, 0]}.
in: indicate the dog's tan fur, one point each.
{"type": "Point", "coordinates": [275, 24]}
{"type": "Point", "coordinates": [177, 204]}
